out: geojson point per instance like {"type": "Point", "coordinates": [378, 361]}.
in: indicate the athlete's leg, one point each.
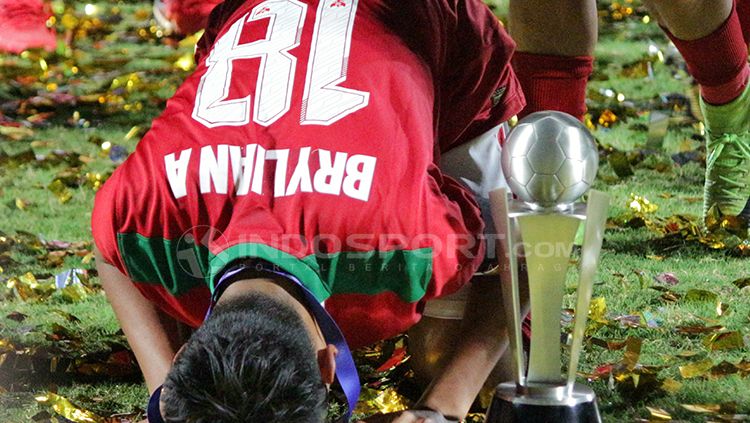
{"type": "Point", "coordinates": [690, 19]}
{"type": "Point", "coordinates": [432, 339]}
{"type": "Point", "coordinates": [553, 61]}
{"type": "Point", "coordinates": [435, 339]}
{"type": "Point", "coordinates": [559, 27]}
{"type": "Point", "coordinates": [709, 36]}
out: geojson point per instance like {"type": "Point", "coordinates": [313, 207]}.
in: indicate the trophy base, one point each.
{"type": "Point", "coordinates": [509, 406]}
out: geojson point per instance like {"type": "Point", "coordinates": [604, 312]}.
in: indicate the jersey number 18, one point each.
{"type": "Point", "coordinates": [324, 101]}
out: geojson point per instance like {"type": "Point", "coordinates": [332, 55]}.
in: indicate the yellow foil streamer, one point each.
{"type": "Point", "coordinates": [374, 401]}
{"type": "Point", "coordinates": [65, 408]}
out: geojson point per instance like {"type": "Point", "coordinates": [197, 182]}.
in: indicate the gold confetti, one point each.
{"type": "Point", "coordinates": [26, 287]}
{"type": "Point", "coordinates": [620, 164]}
{"type": "Point", "coordinates": [65, 408]}
{"type": "Point", "coordinates": [701, 295]}
{"type": "Point", "coordinates": [61, 191]}
{"type": "Point", "coordinates": [16, 133]}
{"type": "Point", "coordinates": [659, 414]}
{"type": "Point", "coordinates": [672, 386]}
{"type": "Point", "coordinates": [641, 205]}
{"type": "Point", "coordinates": [22, 204]}
{"type": "Point", "coordinates": [133, 133]}
{"type": "Point", "coordinates": [388, 400]}
{"type": "Point", "coordinates": [128, 82]}
{"type": "Point", "coordinates": [607, 118]}
{"type": "Point", "coordinates": [95, 180]}
{"type": "Point", "coordinates": [598, 310]}
{"type": "Point", "coordinates": [632, 352]}
{"type": "Point", "coordinates": [697, 369]}
{"type": "Point", "coordinates": [186, 62]}
{"type": "Point", "coordinates": [75, 292]}
{"type": "Point", "coordinates": [639, 69]}
{"type": "Point", "coordinates": [724, 341]}
{"type": "Point", "coordinates": [702, 408]}
{"type": "Point", "coordinates": [698, 329]}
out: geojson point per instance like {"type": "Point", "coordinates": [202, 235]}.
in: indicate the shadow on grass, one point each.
{"type": "Point", "coordinates": [29, 372]}
{"type": "Point", "coordinates": [642, 243]}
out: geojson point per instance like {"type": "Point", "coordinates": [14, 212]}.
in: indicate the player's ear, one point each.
{"type": "Point", "coordinates": [327, 363]}
{"type": "Point", "coordinates": [177, 354]}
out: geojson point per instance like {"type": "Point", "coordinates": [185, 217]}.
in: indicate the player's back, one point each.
{"type": "Point", "coordinates": [310, 131]}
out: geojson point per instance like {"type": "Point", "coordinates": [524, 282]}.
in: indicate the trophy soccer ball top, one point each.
{"type": "Point", "coordinates": [550, 159]}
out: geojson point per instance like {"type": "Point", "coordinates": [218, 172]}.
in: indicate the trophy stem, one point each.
{"type": "Point", "coordinates": [548, 242]}
{"type": "Point", "coordinates": [596, 219]}
{"type": "Point", "coordinates": [509, 279]}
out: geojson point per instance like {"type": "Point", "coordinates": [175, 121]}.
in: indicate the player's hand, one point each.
{"type": "Point", "coordinates": [411, 416]}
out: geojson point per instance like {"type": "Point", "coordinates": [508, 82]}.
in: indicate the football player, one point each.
{"type": "Point", "coordinates": [556, 42]}
{"type": "Point", "coordinates": [299, 165]}
{"type": "Point", "coordinates": [183, 17]}
{"type": "Point", "coordinates": [24, 26]}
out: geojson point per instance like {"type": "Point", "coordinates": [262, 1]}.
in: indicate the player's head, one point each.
{"type": "Point", "coordinates": [251, 361]}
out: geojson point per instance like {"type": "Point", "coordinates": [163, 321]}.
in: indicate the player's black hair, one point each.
{"type": "Point", "coordinates": [251, 361]}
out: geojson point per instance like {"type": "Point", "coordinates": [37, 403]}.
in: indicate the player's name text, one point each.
{"type": "Point", "coordinates": [315, 170]}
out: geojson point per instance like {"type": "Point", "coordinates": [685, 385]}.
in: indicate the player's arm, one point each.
{"type": "Point", "coordinates": [482, 337]}
{"type": "Point", "coordinates": [146, 328]}
{"type": "Point", "coordinates": [482, 343]}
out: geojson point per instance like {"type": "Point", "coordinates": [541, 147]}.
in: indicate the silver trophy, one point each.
{"type": "Point", "coordinates": [549, 160]}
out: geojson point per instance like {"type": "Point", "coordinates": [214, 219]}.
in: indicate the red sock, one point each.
{"type": "Point", "coordinates": [743, 12]}
{"type": "Point", "coordinates": [718, 61]}
{"type": "Point", "coordinates": [553, 82]}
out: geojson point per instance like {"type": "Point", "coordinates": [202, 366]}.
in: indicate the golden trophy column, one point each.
{"type": "Point", "coordinates": [550, 161]}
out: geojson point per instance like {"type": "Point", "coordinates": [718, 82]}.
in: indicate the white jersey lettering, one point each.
{"type": "Point", "coordinates": [214, 168]}
{"type": "Point", "coordinates": [338, 173]}
{"type": "Point", "coordinates": [176, 170]}
{"type": "Point", "coordinates": [328, 178]}
{"type": "Point", "coordinates": [358, 180]}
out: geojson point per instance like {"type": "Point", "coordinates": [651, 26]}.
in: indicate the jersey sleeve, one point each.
{"type": "Point", "coordinates": [104, 226]}
{"type": "Point", "coordinates": [478, 88]}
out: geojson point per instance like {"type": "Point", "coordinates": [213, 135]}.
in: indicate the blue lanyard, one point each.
{"type": "Point", "coordinates": [346, 371]}
{"type": "Point", "coordinates": [153, 413]}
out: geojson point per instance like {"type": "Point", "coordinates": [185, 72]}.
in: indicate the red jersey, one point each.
{"type": "Point", "coordinates": [308, 137]}
{"type": "Point", "coordinates": [24, 24]}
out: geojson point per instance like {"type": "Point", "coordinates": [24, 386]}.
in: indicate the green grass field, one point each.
{"type": "Point", "coordinates": [669, 333]}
